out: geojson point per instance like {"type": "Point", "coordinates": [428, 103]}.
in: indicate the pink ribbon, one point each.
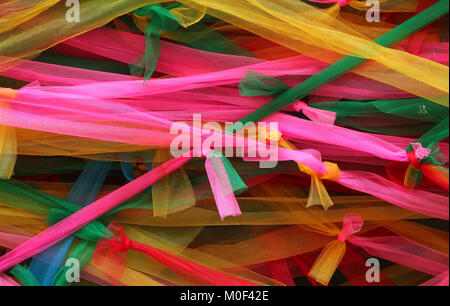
{"type": "Point", "coordinates": [343, 2]}
{"type": "Point", "coordinates": [226, 202]}
{"type": "Point", "coordinates": [420, 151]}
{"type": "Point", "coordinates": [7, 281]}
{"type": "Point", "coordinates": [351, 224]}
{"type": "Point", "coordinates": [315, 114]}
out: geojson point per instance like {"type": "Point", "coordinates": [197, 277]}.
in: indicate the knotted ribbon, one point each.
{"type": "Point", "coordinates": [161, 21]}
{"type": "Point", "coordinates": [224, 181]}
{"type": "Point", "coordinates": [425, 159]}
{"type": "Point", "coordinates": [330, 257]}
{"type": "Point", "coordinates": [318, 194]}
{"type": "Point", "coordinates": [110, 257]}
{"type": "Point", "coordinates": [393, 248]}
{"type": "Point", "coordinates": [258, 84]}
{"type": "Point", "coordinates": [315, 114]}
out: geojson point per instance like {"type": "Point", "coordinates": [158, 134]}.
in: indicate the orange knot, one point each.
{"type": "Point", "coordinates": [331, 172]}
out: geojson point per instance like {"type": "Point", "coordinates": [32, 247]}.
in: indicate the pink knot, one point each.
{"type": "Point", "coordinates": [300, 105]}
{"type": "Point", "coordinates": [315, 114]}
{"type": "Point", "coordinates": [420, 151]}
{"type": "Point", "coordinates": [351, 224]}
{"type": "Point", "coordinates": [343, 2]}
{"type": "Point", "coordinates": [342, 237]}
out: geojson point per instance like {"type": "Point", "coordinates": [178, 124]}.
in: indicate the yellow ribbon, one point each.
{"type": "Point", "coordinates": [318, 195]}
{"type": "Point", "coordinates": [331, 256]}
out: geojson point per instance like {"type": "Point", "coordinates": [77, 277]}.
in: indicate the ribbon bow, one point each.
{"type": "Point", "coordinates": [224, 181]}
{"type": "Point", "coordinates": [315, 114]}
{"type": "Point", "coordinates": [161, 21]}
{"type": "Point", "coordinates": [318, 194]}
{"type": "Point", "coordinates": [425, 161]}
{"type": "Point", "coordinates": [258, 84]}
{"type": "Point", "coordinates": [425, 158]}
{"type": "Point", "coordinates": [330, 257]}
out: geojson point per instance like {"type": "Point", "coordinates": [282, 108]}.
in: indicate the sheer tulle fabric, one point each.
{"type": "Point", "coordinates": [287, 22]}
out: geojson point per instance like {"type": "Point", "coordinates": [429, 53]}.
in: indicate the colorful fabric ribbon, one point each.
{"type": "Point", "coordinates": [111, 252]}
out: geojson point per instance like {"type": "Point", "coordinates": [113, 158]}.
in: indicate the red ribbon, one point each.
{"type": "Point", "coordinates": [109, 255]}
{"type": "Point", "coordinates": [413, 160]}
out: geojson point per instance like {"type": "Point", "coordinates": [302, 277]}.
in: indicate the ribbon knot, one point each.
{"type": "Point", "coordinates": [258, 84]}
{"type": "Point", "coordinates": [331, 172]}
{"type": "Point", "coordinates": [416, 155]}
{"type": "Point", "coordinates": [331, 256]}
{"type": "Point", "coordinates": [315, 114]}
{"type": "Point", "coordinates": [318, 195]}
{"type": "Point", "coordinates": [114, 267]}
{"type": "Point", "coordinates": [351, 225]}
{"type": "Point", "coordinates": [300, 105]}
{"type": "Point", "coordinates": [121, 243]}
{"type": "Point", "coordinates": [161, 21]}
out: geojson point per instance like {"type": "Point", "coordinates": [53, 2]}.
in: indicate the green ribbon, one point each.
{"type": "Point", "coordinates": [344, 65]}
{"type": "Point", "coordinates": [258, 84]}
{"type": "Point", "coordinates": [24, 275]}
{"type": "Point", "coordinates": [348, 114]}
{"type": "Point", "coordinates": [161, 21]}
